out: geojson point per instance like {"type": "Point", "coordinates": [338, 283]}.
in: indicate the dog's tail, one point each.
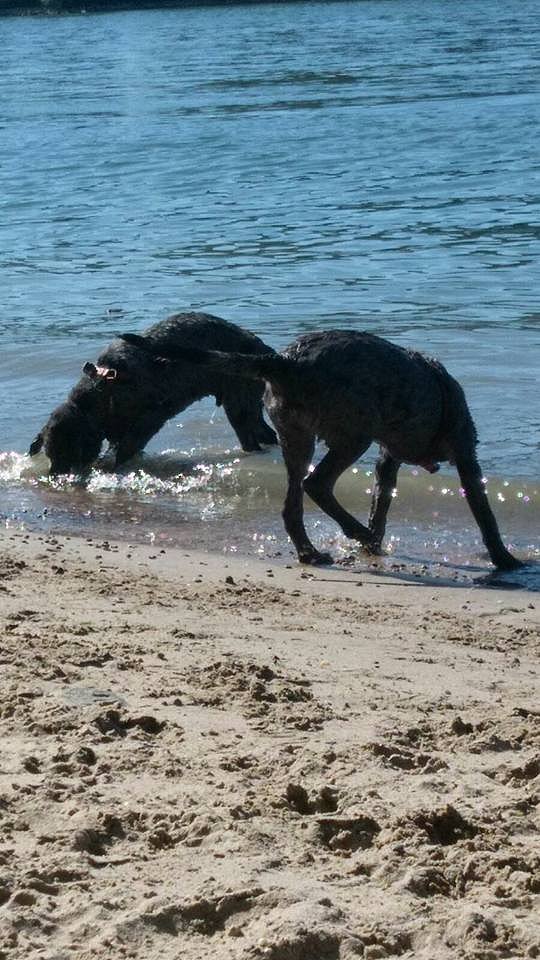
{"type": "Point", "coordinates": [257, 366]}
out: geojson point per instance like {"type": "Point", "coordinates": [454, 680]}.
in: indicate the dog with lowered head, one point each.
{"type": "Point", "coordinates": [349, 389]}
{"type": "Point", "coordinates": [127, 396]}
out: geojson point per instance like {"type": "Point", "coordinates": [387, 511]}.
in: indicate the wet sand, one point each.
{"type": "Point", "coordinates": [215, 757]}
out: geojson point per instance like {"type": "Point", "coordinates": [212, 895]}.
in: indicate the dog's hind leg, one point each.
{"type": "Point", "coordinates": [320, 486]}
{"type": "Point", "coordinates": [298, 447]}
{"type": "Point", "coordinates": [471, 478]}
{"type": "Point", "coordinates": [386, 471]}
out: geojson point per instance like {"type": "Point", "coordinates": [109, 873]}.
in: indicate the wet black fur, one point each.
{"type": "Point", "coordinates": [128, 411]}
{"type": "Point", "coordinates": [350, 389]}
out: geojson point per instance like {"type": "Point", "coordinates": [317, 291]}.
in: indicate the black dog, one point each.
{"type": "Point", "coordinates": [349, 389]}
{"type": "Point", "coordinates": [128, 395]}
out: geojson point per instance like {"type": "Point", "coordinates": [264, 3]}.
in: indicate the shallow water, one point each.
{"type": "Point", "coordinates": [288, 167]}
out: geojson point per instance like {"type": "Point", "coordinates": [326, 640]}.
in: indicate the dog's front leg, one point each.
{"type": "Point", "coordinates": [320, 487]}
{"type": "Point", "coordinates": [471, 479]}
{"type": "Point", "coordinates": [386, 471]}
{"type": "Point", "coordinates": [297, 452]}
{"type": "Point", "coordinates": [244, 412]}
{"type": "Point", "coordinates": [134, 439]}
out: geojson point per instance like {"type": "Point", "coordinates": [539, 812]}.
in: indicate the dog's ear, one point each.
{"type": "Point", "coordinates": [143, 343]}
{"type": "Point", "coordinates": [134, 340]}
{"type": "Point", "coordinates": [90, 370]}
{"type": "Point", "coordinates": [36, 445]}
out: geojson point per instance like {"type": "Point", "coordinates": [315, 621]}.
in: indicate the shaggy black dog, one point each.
{"type": "Point", "coordinates": [128, 395]}
{"type": "Point", "coordinates": [349, 389]}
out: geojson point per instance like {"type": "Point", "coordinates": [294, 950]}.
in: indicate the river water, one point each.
{"type": "Point", "coordinates": [289, 167]}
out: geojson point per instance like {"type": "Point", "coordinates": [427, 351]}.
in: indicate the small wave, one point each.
{"type": "Point", "coordinates": [16, 467]}
{"type": "Point", "coordinates": [200, 476]}
{"type": "Point", "coordinates": [162, 476]}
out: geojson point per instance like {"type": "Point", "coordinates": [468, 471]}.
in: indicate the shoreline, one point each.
{"type": "Point", "coordinates": [231, 506]}
{"type": "Point", "coordinates": [213, 756]}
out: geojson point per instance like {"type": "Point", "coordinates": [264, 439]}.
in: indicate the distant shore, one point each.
{"type": "Point", "coordinates": [58, 7]}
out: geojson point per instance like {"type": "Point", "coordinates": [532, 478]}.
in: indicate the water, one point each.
{"type": "Point", "coordinates": [290, 166]}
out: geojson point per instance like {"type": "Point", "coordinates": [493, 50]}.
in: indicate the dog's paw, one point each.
{"type": "Point", "coordinates": [315, 558]}
{"type": "Point", "coordinates": [374, 549]}
{"type": "Point", "coordinates": [508, 562]}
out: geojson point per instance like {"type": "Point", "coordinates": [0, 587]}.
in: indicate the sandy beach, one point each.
{"type": "Point", "coordinates": [209, 757]}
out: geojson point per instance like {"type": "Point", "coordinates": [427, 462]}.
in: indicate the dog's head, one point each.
{"type": "Point", "coordinates": [72, 436]}
{"type": "Point", "coordinates": [69, 440]}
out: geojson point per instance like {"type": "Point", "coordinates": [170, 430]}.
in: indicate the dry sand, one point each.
{"type": "Point", "coordinates": [208, 758]}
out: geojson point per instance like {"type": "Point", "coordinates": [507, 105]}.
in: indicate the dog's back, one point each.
{"type": "Point", "coordinates": [351, 382]}
{"type": "Point", "coordinates": [205, 331]}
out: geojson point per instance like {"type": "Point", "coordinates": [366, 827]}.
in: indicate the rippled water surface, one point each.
{"type": "Point", "coordinates": [290, 166]}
